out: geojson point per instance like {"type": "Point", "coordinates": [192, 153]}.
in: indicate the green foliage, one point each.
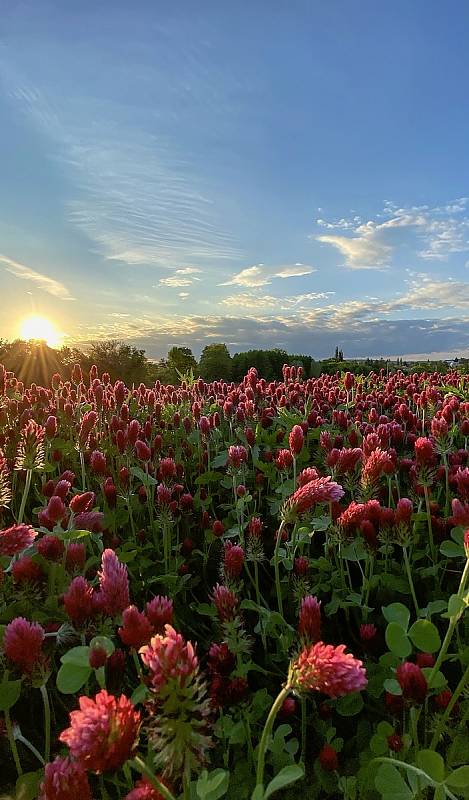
{"type": "Point", "coordinates": [215, 363]}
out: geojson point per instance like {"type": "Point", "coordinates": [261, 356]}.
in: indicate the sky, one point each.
{"type": "Point", "coordinates": [266, 174]}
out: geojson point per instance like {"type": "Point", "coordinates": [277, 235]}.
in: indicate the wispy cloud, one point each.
{"type": "Point", "coordinates": [176, 282]}
{"type": "Point", "coordinates": [182, 277]}
{"type": "Point", "coordinates": [139, 198]}
{"type": "Point", "coordinates": [262, 275]}
{"type": "Point", "coordinates": [247, 300]}
{"type": "Point", "coordinates": [40, 280]}
{"type": "Point", "coordinates": [440, 230]}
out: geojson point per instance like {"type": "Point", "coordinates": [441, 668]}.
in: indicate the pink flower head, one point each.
{"type": "Point", "coordinates": [404, 510]}
{"type": "Point", "coordinates": [307, 475]}
{"type": "Point", "coordinates": [22, 643]}
{"type": "Point", "coordinates": [284, 459]}
{"type": "Point", "coordinates": [309, 623]}
{"type": "Point", "coordinates": [237, 455]}
{"type": "Point", "coordinates": [233, 560]}
{"type": "Point", "coordinates": [142, 451]}
{"type": "Point", "coordinates": [368, 632]}
{"type": "Point", "coordinates": [296, 439]}
{"type": "Point", "coordinates": [113, 584]}
{"type": "Point", "coordinates": [51, 548]}
{"type": "Point", "coordinates": [87, 424]}
{"type": "Point", "coordinates": [460, 512]}
{"type": "Point", "coordinates": [25, 570]}
{"type": "Point", "coordinates": [75, 557]}
{"type": "Point", "coordinates": [328, 669]}
{"type": "Point", "coordinates": [160, 612]}
{"type": "Point", "coordinates": [466, 542]}
{"type": "Point", "coordinates": [82, 502]}
{"type": "Point", "coordinates": [301, 566]}
{"type": "Point", "coordinates": [55, 508]}
{"type": "Point", "coordinates": [15, 539]}
{"type": "Point", "coordinates": [90, 521]}
{"type": "Point", "coordinates": [65, 779]}
{"type": "Point", "coordinates": [348, 459]}
{"type": "Point", "coordinates": [255, 527]}
{"type": "Point", "coordinates": [320, 490]}
{"type": "Point", "coordinates": [377, 464]}
{"type": "Point", "coordinates": [226, 603]}
{"type": "Point", "coordinates": [169, 657]}
{"type": "Point", "coordinates": [103, 732]}
{"type": "Point", "coordinates": [136, 628]}
{"type": "Point", "coordinates": [167, 469]}
{"type": "Point", "coordinates": [78, 601]}
{"type": "Point", "coordinates": [424, 452]}
{"type": "Point", "coordinates": [98, 462]}
{"type": "Point", "coordinates": [412, 682]}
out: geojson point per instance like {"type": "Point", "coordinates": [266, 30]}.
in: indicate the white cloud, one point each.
{"type": "Point", "coordinates": [183, 295]}
{"type": "Point", "coordinates": [255, 302]}
{"type": "Point", "coordinates": [442, 230]}
{"type": "Point", "coordinates": [41, 281]}
{"type": "Point", "coordinates": [360, 252]}
{"type": "Point", "coordinates": [189, 271]}
{"type": "Point", "coordinates": [262, 275]}
{"type": "Point", "coordinates": [176, 282]}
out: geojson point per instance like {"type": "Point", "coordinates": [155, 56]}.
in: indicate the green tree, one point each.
{"type": "Point", "coordinates": [181, 361]}
{"type": "Point", "coordinates": [122, 361]}
{"type": "Point", "coordinates": [215, 363]}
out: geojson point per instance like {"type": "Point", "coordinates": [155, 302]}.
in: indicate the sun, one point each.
{"type": "Point", "coordinates": [40, 328]}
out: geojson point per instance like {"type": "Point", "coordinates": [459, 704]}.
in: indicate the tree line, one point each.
{"type": "Point", "coordinates": [34, 362]}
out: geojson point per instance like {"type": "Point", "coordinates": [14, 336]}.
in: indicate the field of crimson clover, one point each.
{"type": "Point", "coordinates": [239, 591]}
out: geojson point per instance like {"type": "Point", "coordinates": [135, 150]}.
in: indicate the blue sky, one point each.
{"type": "Point", "coordinates": [260, 173]}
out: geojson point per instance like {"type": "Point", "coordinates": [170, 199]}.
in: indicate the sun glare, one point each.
{"type": "Point", "coordinates": [40, 328]}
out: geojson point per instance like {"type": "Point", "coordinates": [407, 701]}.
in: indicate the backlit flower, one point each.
{"type": "Point", "coordinates": [327, 669]}
{"type": "Point", "coordinates": [309, 623]}
{"type": "Point", "coordinates": [103, 732]}
{"type": "Point", "coordinates": [15, 539]}
{"type": "Point", "coordinates": [226, 603]}
{"type": "Point", "coordinates": [78, 601]}
{"type": "Point", "coordinates": [160, 612]}
{"type": "Point", "coordinates": [319, 490]}
{"type": "Point", "coordinates": [136, 628]}
{"type": "Point", "coordinates": [113, 584]}
{"type": "Point", "coordinates": [22, 643]}
{"type": "Point", "coordinates": [169, 656]}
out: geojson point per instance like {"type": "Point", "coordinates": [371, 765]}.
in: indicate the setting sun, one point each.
{"type": "Point", "coordinates": [40, 328]}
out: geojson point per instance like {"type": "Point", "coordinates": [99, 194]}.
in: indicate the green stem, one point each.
{"type": "Point", "coordinates": [414, 729]}
{"type": "Point", "coordinates": [258, 601]}
{"type": "Point", "coordinates": [449, 633]}
{"type": "Point", "coordinates": [83, 471]}
{"type": "Point", "coordinates": [140, 765]}
{"type": "Point", "coordinates": [303, 730]}
{"type": "Point", "coordinates": [27, 486]}
{"type": "Point", "coordinates": [444, 717]}
{"type": "Point", "coordinates": [277, 571]}
{"type": "Point", "coordinates": [267, 732]}
{"type": "Point", "coordinates": [13, 747]}
{"type": "Point", "coordinates": [30, 746]}
{"type": "Point", "coordinates": [429, 522]}
{"type": "Point", "coordinates": [411, 583]}
{"type": "Point", "coordinates": [368, 586]}
{"type": "Point", "coordinates": [137, 663]}
{"type": "Point", "coordinates": [45, 700]}
{"type": "Point", "coordinates": [445, 462]}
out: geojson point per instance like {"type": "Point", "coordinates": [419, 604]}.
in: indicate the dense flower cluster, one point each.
{"type": "Point", "coordinates": [283, 520]}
